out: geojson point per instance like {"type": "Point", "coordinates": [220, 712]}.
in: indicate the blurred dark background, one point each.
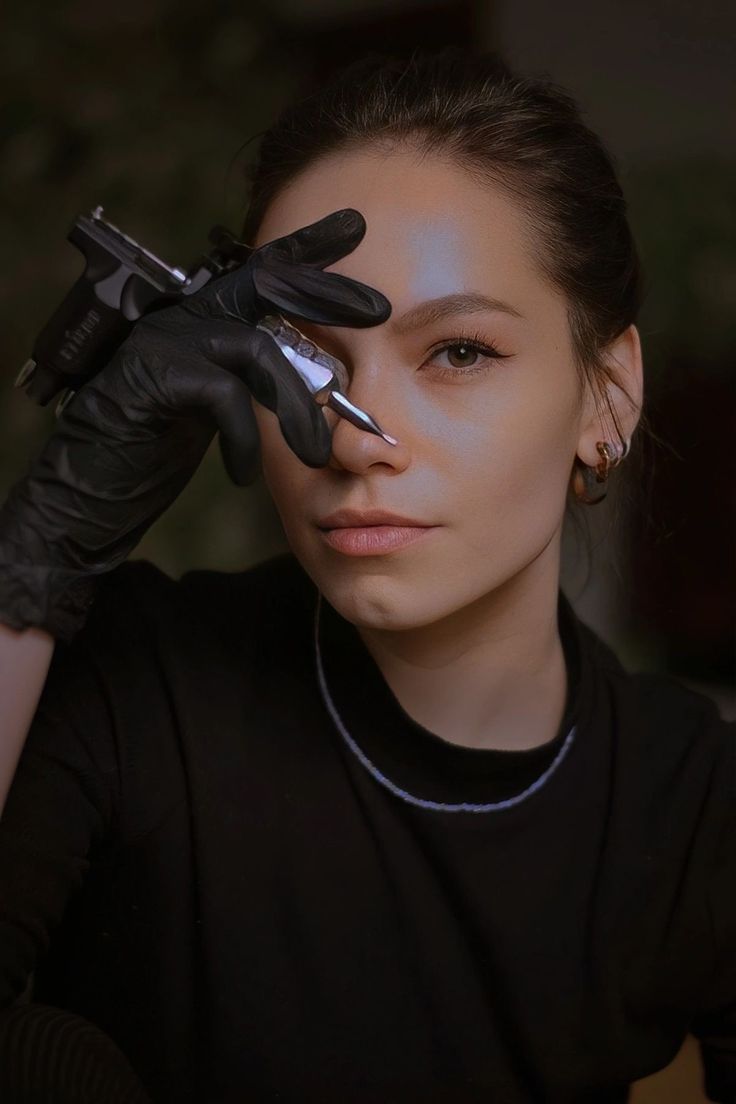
{"type": "Point", "coordinates": [152, 109]}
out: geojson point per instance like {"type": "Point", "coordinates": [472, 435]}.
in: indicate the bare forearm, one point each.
{"type": "Point", "coordinates": [25, 656]}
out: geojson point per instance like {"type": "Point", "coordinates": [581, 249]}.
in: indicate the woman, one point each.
{"type": "Point", "coordinates": [379, 819]}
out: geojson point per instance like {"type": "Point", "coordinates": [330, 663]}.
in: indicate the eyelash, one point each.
{"type": "Point", "coordinates": [473, 343]}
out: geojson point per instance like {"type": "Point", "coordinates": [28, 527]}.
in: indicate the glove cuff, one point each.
{"type": "Point", "coordinates": [52, 598]}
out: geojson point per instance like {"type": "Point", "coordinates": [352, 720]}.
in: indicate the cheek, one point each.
{"type": "Point", "coordinates": [527, 421]}
{"type": "Point", "coordinates": [513, 458]}
{"type": "Point", "coordinates": [496, 444]}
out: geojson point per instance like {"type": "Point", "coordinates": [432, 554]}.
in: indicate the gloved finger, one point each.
{"type": "Point", "coordinates": [243, 465]}
{"type": "Point", "coordinates": [253, 358]}
{"type": "Point", "coordinates": [307, 293]}
{"type": "Point", "coordinates": [323, 297]}
{"type": "Point", "coordinates": [231, 295]}
{"type": "Point", "coordinates": [240, 362]}
{"type": "Point", "coordinates": [229, 402]}
{"type": "Point", "coordinates": [320, 243]}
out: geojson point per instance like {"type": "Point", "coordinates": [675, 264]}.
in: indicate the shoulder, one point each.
{"type": "Point", "coordinates": [688, 747]}
{"type": "Point", "coordinates": [668, 721]}
{"type": "Point", "coordinates": [670, 754]}
{"type": "Point", "coordinates": [156, 648]}
{"type": "Point", "coordinates": [138, 591]}
{"type": "Point", "coordinates": [654, 714]}
{"type": "Point", "coordinates": [674, 759]}
{"type": "Point", "coordinates": [143, 618]}
{"type": "Point", "coordinates": [272, 589]}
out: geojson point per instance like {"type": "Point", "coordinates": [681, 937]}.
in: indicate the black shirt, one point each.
{"type": "Point", "coordinates": [257, 908]}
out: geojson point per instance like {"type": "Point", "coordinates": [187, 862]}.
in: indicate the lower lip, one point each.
{"type": "Point", "coordinates": [374, 540]}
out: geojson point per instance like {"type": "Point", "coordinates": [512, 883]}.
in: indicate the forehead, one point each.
{"type": "Point", "coordinates": [431, 228]}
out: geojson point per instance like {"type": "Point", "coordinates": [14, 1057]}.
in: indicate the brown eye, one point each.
{"type": "Point", "coordinates": [467, 357]}
{"type": "Point", "coordinates": [464, 355]}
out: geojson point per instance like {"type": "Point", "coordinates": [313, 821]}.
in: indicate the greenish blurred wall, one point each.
{"type": "Point", "coordinates": [139, 107]}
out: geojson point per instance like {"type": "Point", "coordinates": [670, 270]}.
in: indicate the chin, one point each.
{"type": "Point", "coordinates": [381, 592]}
{"type": "Point", "coordinates": [373, 600]}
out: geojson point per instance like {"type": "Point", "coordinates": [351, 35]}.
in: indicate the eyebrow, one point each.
{"type": "Point", "coordinates": [462, 302]}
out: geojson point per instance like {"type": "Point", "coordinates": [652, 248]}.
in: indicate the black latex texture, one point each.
{"type": "Point", "coordinates": [133, 436]}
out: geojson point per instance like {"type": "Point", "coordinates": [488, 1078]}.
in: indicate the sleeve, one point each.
{"type": "Point", "coordinates": [64, 798]}
{"type": "Point", "coordinates": [715, 1024]}
{"type": "Point", "coordinates": [47, 1053]}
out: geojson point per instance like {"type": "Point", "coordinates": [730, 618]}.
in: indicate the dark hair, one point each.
{"type": "Point", "coordinates": [524, 134]}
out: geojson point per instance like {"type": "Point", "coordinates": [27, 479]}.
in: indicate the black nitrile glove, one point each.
{"type": "Point", "coordinates": [132, 437]}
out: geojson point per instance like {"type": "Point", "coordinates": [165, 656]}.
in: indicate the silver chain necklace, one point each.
{"type": "Point", "coordinates": [423, 803]}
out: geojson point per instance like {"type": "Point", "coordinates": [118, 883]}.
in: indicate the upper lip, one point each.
{"type": "Point", "coordinates": [349, 519]}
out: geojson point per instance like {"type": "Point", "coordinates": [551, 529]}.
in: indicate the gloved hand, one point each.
{"type": "Point", "coordinates": [132, 437]}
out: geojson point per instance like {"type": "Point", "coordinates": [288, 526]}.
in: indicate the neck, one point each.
{"type": "Point", "coordinates": [490, 675]}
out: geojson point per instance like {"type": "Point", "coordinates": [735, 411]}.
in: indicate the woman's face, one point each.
{"type": "Point", "coordinates": [485, 446]}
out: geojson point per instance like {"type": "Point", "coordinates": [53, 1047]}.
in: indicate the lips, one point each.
{"type": "Point", "coordinates": [359, 519]}
{"type": "Point", "coordinates": [375, 540]}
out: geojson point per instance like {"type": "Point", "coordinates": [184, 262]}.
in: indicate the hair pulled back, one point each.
{"type": "Point", "coordinates": [525, 135]}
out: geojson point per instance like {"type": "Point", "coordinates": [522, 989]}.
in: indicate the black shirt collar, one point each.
{"type": "Point", "coordinates": [416, 759]}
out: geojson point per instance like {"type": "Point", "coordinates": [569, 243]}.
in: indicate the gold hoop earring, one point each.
{"type": "Point", "coordinates": [588, 481]}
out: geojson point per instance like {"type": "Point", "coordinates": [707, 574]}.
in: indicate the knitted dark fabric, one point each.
{"type": "Point", "coordinates": [49, 1056]}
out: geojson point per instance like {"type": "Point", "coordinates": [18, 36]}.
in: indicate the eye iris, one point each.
{"type": "Point", "coordinates": [468, 349]}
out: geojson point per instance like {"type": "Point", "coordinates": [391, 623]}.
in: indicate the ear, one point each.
{"type": "Point", "coordinates": [624, 359]}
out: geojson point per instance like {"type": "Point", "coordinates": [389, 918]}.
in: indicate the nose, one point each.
{"type": "Point", "coordinates": [355, 449]}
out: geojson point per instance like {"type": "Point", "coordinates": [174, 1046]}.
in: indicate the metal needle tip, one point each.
{"type": "Point", "coordinates": [339, 402]}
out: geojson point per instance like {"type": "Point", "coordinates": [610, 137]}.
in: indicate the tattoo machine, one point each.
{"type": "Point", "coordinates": [324, 375]}
{"type": "Point", "coordinates": [121, 282]}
